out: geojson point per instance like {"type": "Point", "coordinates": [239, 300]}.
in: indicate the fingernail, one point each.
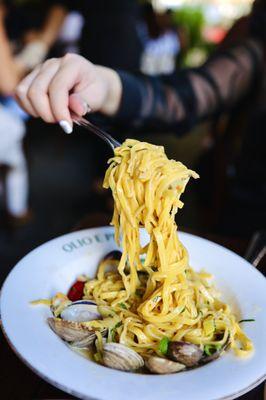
{"type": "Point", "coordinates": [65, 125]}
{"type": "Point", "coordinates": [86, 108]}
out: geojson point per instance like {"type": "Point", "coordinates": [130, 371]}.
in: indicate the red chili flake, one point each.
{"type": "Point", "coordinates": [76, 291]}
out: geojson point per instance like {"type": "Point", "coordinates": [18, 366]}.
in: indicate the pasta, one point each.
{"type": "Point", "coordinates": [152, 292]}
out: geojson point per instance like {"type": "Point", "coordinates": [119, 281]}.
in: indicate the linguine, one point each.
{"type": "Point", "coordinates": [152, 292]}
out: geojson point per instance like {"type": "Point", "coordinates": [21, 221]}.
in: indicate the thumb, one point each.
{"type": "Point", "coordinates": [78, 105]}
{"type": "Point", "coordinates": [91, 98]}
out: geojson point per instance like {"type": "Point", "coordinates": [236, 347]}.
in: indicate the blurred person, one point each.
{"type": "Point", "coordinates": [109, 35]}
{"type": "Point", "coordinates": [161, 43]}
{"type": "Point", "coordinates": [36, 37]}
{"type": "Point", "coordinates": [33, 26]}
{"type": "Point", "coordinates": [177, 101]}
{"type": "Point", "coordinates": [70, 33]}
{"type": "Point", "coordinates": [12, 131]}
{"type": "Point", "coordinates": [248, 195]}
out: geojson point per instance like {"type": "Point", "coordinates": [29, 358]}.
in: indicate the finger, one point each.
{"type": "Point", "coordinates": [90, 98]}
{"type": "Point", "coordinates": [21, 93]}
{"type": "Point", "coordinates": [59, 89]}
{"type": "Point", "coordinates": [38, 90]}
{"type": "Point", "coordinates": [78, 105]}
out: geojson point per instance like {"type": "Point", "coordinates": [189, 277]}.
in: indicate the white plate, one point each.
{"type": "Point", "coordinates": [55, 265]}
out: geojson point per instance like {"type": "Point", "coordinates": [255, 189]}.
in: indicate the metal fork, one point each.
{"type": "Point", "coordinates": [113, 143]}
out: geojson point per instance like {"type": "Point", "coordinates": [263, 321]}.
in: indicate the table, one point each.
{"type": "Point", "coordinates": [19, 382]}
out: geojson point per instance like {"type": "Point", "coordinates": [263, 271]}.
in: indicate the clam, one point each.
{"type": "Point", "coordinates": [81, 311]}
{"type": "Point", "coordinates": [113, 255]}
{"type": "Point", "coordinates": [188, 354]}
{"type": "Point", "coordinates": [118, 356]}
{"type": "Point", "coordinates": [159, 365]}
{"type": "Point", "coordinates": [73, 332]}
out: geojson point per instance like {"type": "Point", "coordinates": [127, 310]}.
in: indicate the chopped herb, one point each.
{"type": "Point", "coordinates": [117, 325]}
{"type": "Point", "coordinates": [163, 345]}
{"type": "Point", "coordinates": [246, 320]}
{"type": "Point", "coordinates": [122, 305]}
{"type": "Point", "coordinates": [113, 330]}
{"type": "Point", "coordinates": [183, 309]}
{"type": "Point", "coordinates": [210, 349]}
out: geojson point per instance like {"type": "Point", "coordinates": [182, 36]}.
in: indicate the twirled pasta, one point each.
{"type": "Point", "coordinates": [154, 292]}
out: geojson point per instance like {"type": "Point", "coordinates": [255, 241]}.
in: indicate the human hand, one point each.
{"type": "Point", "coordinates": [71, 83]}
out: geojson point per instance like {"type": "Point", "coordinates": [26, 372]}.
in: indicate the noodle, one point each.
{"type": "Point", "coordinates": [154, 293]}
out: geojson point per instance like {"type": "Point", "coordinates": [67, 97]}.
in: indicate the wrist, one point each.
{"type": "Point", "coordinates": [113, 91]}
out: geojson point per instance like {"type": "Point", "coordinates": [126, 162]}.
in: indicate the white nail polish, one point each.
{"type": "Point", "coordinates": [66, 126]}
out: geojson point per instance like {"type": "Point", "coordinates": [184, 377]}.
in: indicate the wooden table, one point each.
{"type": "Point", "coordinates": [19, 382]}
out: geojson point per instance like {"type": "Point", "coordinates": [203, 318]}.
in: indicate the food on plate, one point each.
{"type": "Point", "coordinates": [147, 309]}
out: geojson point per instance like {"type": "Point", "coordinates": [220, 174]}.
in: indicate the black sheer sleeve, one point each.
{"type": "Point", "coordinates": [188, 96]}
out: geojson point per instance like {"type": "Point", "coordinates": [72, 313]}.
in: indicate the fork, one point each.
{"type": "Point", "coordinates": [113, 143]}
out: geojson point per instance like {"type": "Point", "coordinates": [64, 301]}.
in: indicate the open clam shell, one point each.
{"type": "Point", "coordinates": [162, 366]}
{"type": "Point", "coordinates": [81, 311]}
{"type": "Point", "coordinates": [72, 332]}
{"type": "Point", "coordinates": [186, 353]}
{"type": "Point", "coordinates": [118, 356]}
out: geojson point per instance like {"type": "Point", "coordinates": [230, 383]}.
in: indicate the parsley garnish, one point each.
{"type": "Point", "coordinates": [113, 330]}
{"type": "Point", "coordinates": [163, 345]}
{"type": "Point", "coordinates": [210, 349]}
{"type": "Point", "coordinates": [246, 320]}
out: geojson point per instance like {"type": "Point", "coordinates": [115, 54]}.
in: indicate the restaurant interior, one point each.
{"type": "Point", "coordinates": [51, 182]}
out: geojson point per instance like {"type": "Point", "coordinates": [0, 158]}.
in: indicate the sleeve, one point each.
{"type": "Point", "coordinates": [188, 96]}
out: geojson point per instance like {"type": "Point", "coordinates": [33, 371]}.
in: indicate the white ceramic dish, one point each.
{"type": "Point", "coordinates": [54, 266]}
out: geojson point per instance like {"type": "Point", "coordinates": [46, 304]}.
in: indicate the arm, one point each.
{"type": "Point", "coordinates": [72, 82]}
{"type": "Point", "coordinates": [53, 24]}
{"type": "Point", "coordinates": [36, 50]}
{"type": "Point", "coordinates": [191, 95]}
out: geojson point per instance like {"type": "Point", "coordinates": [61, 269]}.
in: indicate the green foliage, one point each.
{"type": "Point", "coordinates": [192, 20]}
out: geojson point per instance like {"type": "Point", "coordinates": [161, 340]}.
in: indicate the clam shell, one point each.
{"type": "Point", "coordinates": [72, 332]}
{"type": "Point", "coordinates": [81, 311]}
{"type": "Point", "coordinates": [118, 356]}
{"type": "Point", "coordinates": [113, 255]}
{"type": "Point", "coordinates": [206, 359]}
{"type": "Point", "coordinates": [161, 366]}
{"type": "Point", "coordinates": [186, 353]}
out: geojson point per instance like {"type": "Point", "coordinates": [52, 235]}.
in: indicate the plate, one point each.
{"type": "Point", "coordinates": [55, 265]}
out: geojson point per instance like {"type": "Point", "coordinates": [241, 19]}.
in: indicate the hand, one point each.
{"type": "Point", "coordinates": [59, 85]}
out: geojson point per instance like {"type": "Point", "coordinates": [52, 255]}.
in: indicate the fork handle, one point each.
{"type": "Point", "coordinates": [113, 143]}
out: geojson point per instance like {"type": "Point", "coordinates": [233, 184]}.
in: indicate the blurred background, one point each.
{"type": "Point", "coordinates": [50, 181]}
